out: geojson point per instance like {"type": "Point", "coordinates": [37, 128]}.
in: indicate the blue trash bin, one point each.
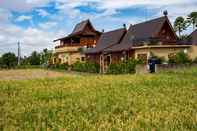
{"type": "Point", "coordinates": [152, 64]}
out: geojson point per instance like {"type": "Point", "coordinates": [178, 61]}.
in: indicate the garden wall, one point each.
{"type": "Point", "coordinates": [173, 67]}
{"type": "Point", "coordinates": [141, 69]}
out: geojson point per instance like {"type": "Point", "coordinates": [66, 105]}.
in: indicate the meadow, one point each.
{"type": "Point", "coordinates": [71, 102]}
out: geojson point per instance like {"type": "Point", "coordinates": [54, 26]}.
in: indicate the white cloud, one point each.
{"type": "Point", "coordinates": [22, 5]}
{"type": "Point", "coordinates": [48, 25]}
{"type": "Point", "coordinates": [5, 15]}
{"type": "Point", "coordinates": [23, 18]}
{"type": "Point", "coordinates": [42, 12]}
{"type": "Point", "coordinates": [31, 39]}
{"type": "Point", "coordinates": [110, 7]}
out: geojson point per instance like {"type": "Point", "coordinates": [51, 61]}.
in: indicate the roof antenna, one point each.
{"type": "Point", "coordinates": [165, 13]}
{"type": "Point", "coordinates": [125, 26]}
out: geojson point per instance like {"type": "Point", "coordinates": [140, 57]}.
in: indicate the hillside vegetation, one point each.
{"type": "Point", "coordinates": [166, 101]}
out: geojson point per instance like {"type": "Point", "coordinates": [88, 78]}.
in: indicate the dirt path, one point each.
{"type": "Point", "coordinates": [24, 74]}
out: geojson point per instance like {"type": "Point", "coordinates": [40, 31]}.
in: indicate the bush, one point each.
{"type": "Point", "coordinates": [28, 67]}
{"type": "Point", "coordinates": [59, 66]}
{"type": "Point", "coordinates": [195, 61]}
{"type": "Point", "coordinates": [180, 58]}
{"type": "Point", "coordinates": [86, 67]}
{"type": "Point", "coordinates": [124, 67]}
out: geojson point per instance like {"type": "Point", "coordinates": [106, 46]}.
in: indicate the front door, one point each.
{"type": "Point", "coordinates": [105, 61]}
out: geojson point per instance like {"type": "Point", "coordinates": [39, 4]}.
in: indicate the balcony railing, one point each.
{"type": "Point", "coordinates": [68, 45]}
{"type": "Point", "coordinates": [59, 49]}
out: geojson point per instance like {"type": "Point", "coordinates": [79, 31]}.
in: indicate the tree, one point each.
{"type": "Point", "coordinates": [9, 60]}
{"type": "Point", "coordinates": [180, 25]}
{"type": "Point", "coordinates": [45, 56]}
{"type": "Point", "coordinates": [34, 59]}
{"type": "Point", "coordinates": [1, 62]}
{"type": "Point", "coordinates": [192, 19]}
{"type": "Point", "coordinates": [25, 60]}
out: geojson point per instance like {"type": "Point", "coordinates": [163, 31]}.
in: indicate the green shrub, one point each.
{"type": "Point", "coordinates": [59, 66]}
{"type": "Point", "coordinates": [86, 67]}
{"type": "Point", "coordinates": [124, 67]}
{"type": "Point", "coordinates": [28, 66]}
{"type": "Point", "coordinates": [180, 58]}
{"type": "Point", "coordinates": [172, 60]}
{"type": "Point", "coordinates": [195, 60]}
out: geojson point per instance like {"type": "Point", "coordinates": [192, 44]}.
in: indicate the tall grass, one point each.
{"type": "Point", "coordinates": [166, 101]}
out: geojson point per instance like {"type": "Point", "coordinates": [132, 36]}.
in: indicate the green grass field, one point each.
{"type": "Point", "coordinates": [166, 101]}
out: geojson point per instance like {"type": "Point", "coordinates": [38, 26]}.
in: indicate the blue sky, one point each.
{"type": "Point", "coordinates": [36, 23]}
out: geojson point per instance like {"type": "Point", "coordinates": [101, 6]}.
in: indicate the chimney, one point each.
{"type": "Point", "coordinates": [165, 13]}
{"type": "Point", "coordinates": [125, 26]}
{"type": "Point", "coordinates": [103, 30]}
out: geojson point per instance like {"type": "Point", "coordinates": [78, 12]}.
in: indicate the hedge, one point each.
{"type": "Point", "coordinates": [86, 67]}
{"type": "Point", "coordinates": [124, 67]}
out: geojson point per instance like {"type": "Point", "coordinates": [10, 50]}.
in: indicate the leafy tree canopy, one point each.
{"type": "Point", "coordinates": [9, 60]}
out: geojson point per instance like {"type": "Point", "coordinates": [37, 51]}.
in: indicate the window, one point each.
{"type": "Point", "coordinates": [89, 46]}
{"type": "Point", "coordinates": [60, 60]}
{"type": "Point", "coordinates": [82, 58]}
{"type": "Point", "coordinates": [78, 59]}
{"type": "Point", "coordinates": [171, 55]}
{"type": "Point", "coordinates": [108, 60]}
{"type": "Point", "coordinates": [54, 60]}
{"type": "Point", "coordinates": [142, 57]}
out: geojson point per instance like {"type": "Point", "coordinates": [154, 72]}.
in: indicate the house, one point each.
{"type": "Point", "coordinates": [140, 42]}
{"type": "Point", "coordinates": [71, 47]}
{"type": "Point", "coordinates": [107, 40]}
{"type": "Point", "coordinates": [193, 41]}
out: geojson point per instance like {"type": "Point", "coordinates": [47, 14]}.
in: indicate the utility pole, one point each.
{"type": "Point", "coordinates": [19, 53]}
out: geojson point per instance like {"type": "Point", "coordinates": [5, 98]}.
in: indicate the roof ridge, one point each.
{"type": "Point", "coordinates": [115, 30]}
{"type": "Point", "coordinates": [151, 20]}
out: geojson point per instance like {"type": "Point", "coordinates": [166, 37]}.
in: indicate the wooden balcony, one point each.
{"type": "Point", "coordinates": [67, 48]}
{"type": "Point", "coordinates": [68, 45]}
